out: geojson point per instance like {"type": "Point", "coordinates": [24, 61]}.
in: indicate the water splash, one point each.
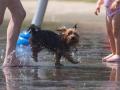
{"type": "Point", "coordinates": [76, 56]}
{"type": "Point", "coordinates": [23, 53]}
{"type": "Point", "coordinates": [2, 53]}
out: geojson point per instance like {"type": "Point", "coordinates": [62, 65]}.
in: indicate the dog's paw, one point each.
{"type": "Point", "coordinates": [58, 65]}
{"type": "Point", "coordinates": [74, 62]}
{"type": "Point", "coordinates": [35, 59]}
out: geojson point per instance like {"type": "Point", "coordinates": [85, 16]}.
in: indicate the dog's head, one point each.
{"type": "Point", "coordinates": [70, 35]}
{"type": "Point", "coordinates": [34, 30]}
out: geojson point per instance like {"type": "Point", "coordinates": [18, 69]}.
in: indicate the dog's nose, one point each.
{"type": "Point", "coordinates": [73, 38]}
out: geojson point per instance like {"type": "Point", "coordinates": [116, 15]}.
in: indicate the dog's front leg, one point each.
{"type": "Point", "coordinates": [34, 56]}
{"type": "Point", "coordinates": [68, 56]}
{"type": "Point", "coordinates": [57, 59]}
{"type": "Point", "coordinates": [35, 51]}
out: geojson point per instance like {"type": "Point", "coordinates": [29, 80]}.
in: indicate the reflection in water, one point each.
{"type": "Point", "coordinates": [65, 78]}
{"type": "Point", "coordinates": [115, 71]}
{"type": "Point", "coordinates": [114, 75]}
{"type": "Point", "coordinates": [34, 79]}
{"type": "Point", "coordinates": [58, 74]}
{"type": "Point", "coordinates": [11, 78]}
{"type": "Point", "coordinates": [20, 78]}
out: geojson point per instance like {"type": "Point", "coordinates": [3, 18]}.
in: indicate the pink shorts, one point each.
{"type": "Point", "coordinates": [112, 13]}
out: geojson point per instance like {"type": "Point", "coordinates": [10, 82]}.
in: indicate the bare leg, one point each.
{"type": "Point", "coordinates": [116, 32]}
{"type": "Point", "coordinates": [110, 36]}
{"type": "Point", "coordinates": [3, 5]}
{"type": "Point", "coordinates": [17, 17]}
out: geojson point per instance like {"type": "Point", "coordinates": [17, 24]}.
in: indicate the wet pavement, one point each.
{"type": "Point", "coordinates": [82, 77]}
{"type": "Point", "coordinates": [90, 74]}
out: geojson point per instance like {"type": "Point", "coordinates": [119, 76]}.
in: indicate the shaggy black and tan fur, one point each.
{"type": "Point", "coordinates": [60, 44]}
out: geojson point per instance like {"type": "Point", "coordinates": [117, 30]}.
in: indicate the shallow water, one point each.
{"type": "Point", "coordinates": [89, 74]}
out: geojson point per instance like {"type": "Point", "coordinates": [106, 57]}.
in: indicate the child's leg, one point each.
{"type": "Point", "coordinates": [110, 36]}
{"type": "Point", "coordinates": [3, 6]}
{"type": "Point", "coordinates": [17, 17]}
{"type": "Point", "coordinates": [116, 32]}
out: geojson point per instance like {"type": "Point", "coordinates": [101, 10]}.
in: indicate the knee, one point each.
{"type": "Point", "coordinates": [116, 34]}
{"type": "Point", "coordinates": [110, 33]}
{"type": "Point", "coordinates": [22, 15]}
{"type": "Point", "coordinates": [19, 16]}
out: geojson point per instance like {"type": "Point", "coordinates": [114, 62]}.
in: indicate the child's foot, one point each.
{"type": "Point", "coordinates": [12, 61]}
{"type": "Point", "coordinates": [107, 57]}
{"type": "Point", "coordinates": [114, 58]}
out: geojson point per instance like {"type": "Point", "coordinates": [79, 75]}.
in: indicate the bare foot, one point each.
{"type": "Point", "coordinates": [107, 57]}
{"type": "Point", "coordinates": [114, 58]}
{"type": "Point", "coordinates": [11, 61]}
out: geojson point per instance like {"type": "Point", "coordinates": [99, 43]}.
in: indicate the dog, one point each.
{"type": "Point", "coordinates": [60, 44]}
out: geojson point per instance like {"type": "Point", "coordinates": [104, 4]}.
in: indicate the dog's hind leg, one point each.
{"type": "Point", "coordinates": [69, 58]}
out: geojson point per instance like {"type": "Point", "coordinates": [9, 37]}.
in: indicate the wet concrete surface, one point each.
{"type": "Point", "coordinates": [80, 77]}
{"type": "Point", "coordinates": [90, 74]}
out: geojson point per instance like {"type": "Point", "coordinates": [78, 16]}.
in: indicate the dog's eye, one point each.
{"type": "Point", "coordinates": [70, 33]}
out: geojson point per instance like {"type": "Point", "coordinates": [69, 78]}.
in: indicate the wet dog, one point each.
{"type": "Point", "coordinates": [60, 44]}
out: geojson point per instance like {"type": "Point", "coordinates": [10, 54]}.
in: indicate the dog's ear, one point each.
{"type": "Point", "coordinates": [61, 29]}
{"type": "Point", "coordinates": [33, 28]}
{"type": "Point", "coordinates": [75, 26]}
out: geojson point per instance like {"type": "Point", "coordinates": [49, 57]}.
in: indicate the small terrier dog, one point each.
{"type": "Point", "coordinates": [59, 44]}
